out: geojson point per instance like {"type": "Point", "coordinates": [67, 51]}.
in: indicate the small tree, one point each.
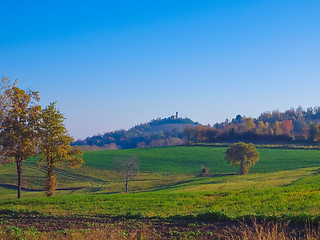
{"type": "Point", "coordinates": [245, 155]}
{"type": "Point", "coordinates": [128, 165]}
{"type": "Point", "coordinates": [55, 146]}
{"type": "Point", "coordinates": [204, 171]}
{"type": "Point", "coordinates": [19, 122]}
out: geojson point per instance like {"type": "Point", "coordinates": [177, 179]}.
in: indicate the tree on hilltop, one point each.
{"type": "Point", "coordinates": [245, 155]}
{"type": "Point", "coordinates": [55, 146]}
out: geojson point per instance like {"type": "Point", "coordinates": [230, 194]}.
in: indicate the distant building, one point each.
{"type": "Point", "coordinates": [175, 116]}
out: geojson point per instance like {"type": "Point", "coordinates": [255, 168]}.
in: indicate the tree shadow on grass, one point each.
{"type": "Point", "coordinates": [222, 174]}
{"type": "Point", "coordinates": [14, 187]}
{"type": "Point", "coordinates": [194, 180]}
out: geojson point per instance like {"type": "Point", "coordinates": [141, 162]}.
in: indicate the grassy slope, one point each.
{"type": "Point", "coordinates": [301, 196]}
{"type": "Point", "coordinates": [190, 159]}
{"type": "Point", "coordinates": [100, 166]}
{"type": "Point", "coordinates": [283, 181]}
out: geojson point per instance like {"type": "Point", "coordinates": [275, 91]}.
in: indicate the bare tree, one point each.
{"type": "Point", "coordinates": [128, 166]}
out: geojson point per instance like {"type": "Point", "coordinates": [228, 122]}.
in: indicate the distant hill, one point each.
{"type": "Point", "coordinates": [158, 132]}
{"type": "Point", "coordinates": [294, 126]}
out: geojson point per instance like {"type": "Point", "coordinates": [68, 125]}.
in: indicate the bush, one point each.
{"type": "Point", "coordinates": [204, 171]}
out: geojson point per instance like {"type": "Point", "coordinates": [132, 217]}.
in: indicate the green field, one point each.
{"type": "Point", "coordinates": [282, 182]}
{"type": "Point", "coordinates": [189, 159]}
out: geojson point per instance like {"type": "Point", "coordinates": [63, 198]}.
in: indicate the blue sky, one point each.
{"type": "Point", "coordinates": [114, 64]}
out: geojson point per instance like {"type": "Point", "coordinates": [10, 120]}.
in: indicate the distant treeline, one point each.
{"type": "Point", "coordinates": [158, 132]}
{"type": "Point", "coordinates": [292, 126]}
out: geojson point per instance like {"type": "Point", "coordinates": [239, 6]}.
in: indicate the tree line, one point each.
{"type": "Point", "coordinates": [27, 130]}
{"type": "Point", "coordinates": [295, 125]}
{"type": "Point", "coordinates": [292, 126]}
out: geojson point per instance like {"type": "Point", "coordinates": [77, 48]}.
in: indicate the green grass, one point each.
{"type": "Point", "coordinates": [282, 182]}
{"type": "Point", "coordinates": [300, 197]}
{"type": "Point", "coordinates": [190, 159]}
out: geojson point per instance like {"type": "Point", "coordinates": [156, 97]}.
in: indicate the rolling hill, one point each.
{"type": "Point", "coordinates": [159, 168]}
{"type": "Point", "coordinates": [158, 132]}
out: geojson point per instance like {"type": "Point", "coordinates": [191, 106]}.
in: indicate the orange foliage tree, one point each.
{"type": "Point", "coordinates": [19, 126]}
{"type": "Point", "coordinates": [55, 146]}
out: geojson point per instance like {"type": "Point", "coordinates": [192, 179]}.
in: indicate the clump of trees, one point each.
{"type": "Point", "coordinates": [297, 126]}
{"type": "Point", "coordinates": [292, 126]}
{"type": "Point", "coordinates": [25, 128]}
{"type": "Point", "coordinates": [158, 132]}
{"type": "Point", "coordinates": [242, 154]}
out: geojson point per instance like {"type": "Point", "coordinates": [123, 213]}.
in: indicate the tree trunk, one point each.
{"type": "Point", "coordinates": [127, 181]}
{"type": "Point", "coordinates": [19, 170]}
{"type": "Point", "coordinates": [242, 169]}
{"type": "Point", "coordinates": [51, 182]}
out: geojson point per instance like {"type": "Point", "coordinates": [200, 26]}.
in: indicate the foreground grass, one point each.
{"type": "Point", "coordinates": [148, 230]}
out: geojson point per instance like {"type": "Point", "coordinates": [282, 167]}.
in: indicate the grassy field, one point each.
{"type": "Point", "coordinates": [283, 181]}
{"type": "Point", "coordinates": [189, 159]}
{"type": "Point", "coordinates": [160, 168]}
{"type": "Point", "coordinates": [284, 186]}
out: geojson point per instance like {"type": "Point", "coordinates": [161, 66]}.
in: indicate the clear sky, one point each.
{"type": "Point", "coordinates": [114, 64]}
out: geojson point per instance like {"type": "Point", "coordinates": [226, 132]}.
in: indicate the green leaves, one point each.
{"type": "Point", "coordinates": [245, 155]}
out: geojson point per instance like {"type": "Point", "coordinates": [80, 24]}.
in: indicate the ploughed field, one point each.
{"type": "Point", "coordinates": [284, 186]}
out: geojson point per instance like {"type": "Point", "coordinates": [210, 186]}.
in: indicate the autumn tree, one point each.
{"type": "Point", "coordinates": [313, 132]}
{"type": "Point", "coordinates": [316, 134]}
{"type": "Point", "coordinates": [55, 146]}
{"type": "Point", "coordinates": [19, 125]}
{"type": "Point", "coordinates": [189, 133]}
{"type": "Point", "coordinates": [248, 124]}
{"type": "Point", "coordinates": [245, 155]}
{"type": "Point", "coordinates": [201, 134]}
{"type": "Point", "coordinates": [276, 129]}
{"type": "Point", "coordinates": [128, 166]}
{"type": "Point", "coordinates": [212, 134]}
{"type": "Point", "coordinates": [5, 85]}
{"type": "Point", "coordinates": [287, 127]}
{"type": "Point", "coordinates": [262, 129]}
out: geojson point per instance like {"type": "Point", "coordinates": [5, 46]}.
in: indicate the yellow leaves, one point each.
{"type": "Point", "coordinates": [248, 124]}
{"type": "Point", "coordinates": [76, 162]}
{"type": "Point", "coordinates": [55, 140]}
{"type": "Point", "coordinates": [19, 123]}
{"type": "Point", "coordinates": [26, 127]}
{"type": "Point", "coordinates": [317, 133]}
